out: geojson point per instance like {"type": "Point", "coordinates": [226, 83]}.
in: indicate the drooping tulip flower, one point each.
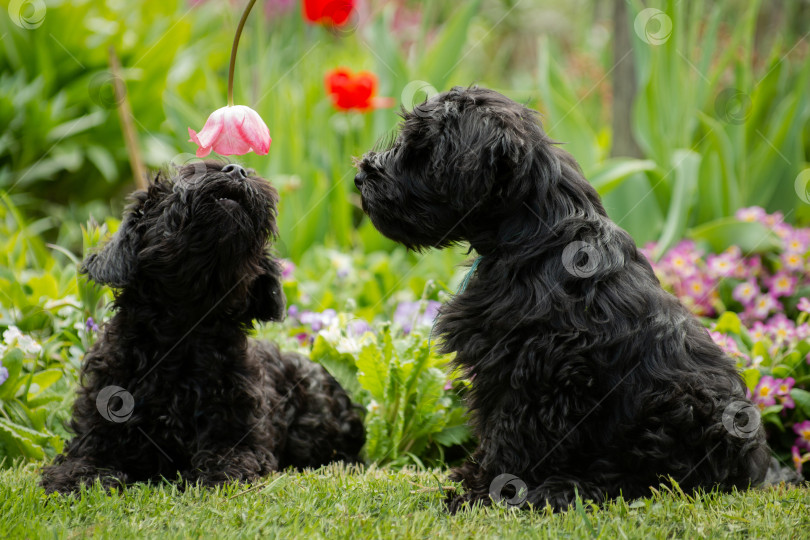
{"type": "Point", "coordinates": [334, 13]}
{"type": "Point", "coordinates": [232, 131]}
{"type": "Point", "coordinates": [235, 129]}
{"type": "Point", "coordinates": [354, 91]}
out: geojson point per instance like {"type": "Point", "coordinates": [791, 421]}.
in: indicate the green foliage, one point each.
{"type": "Point", "coordinates": [411, 415]}
{"type": "Point", "coordinates": [719, 130]}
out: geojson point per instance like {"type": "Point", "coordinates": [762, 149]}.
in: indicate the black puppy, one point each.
{"type": "Point", "coordinates": [174, 384]}
{"type": "Point", "coordinates": [586, 376]}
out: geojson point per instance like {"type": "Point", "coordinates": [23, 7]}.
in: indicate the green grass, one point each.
{"type": "Point", "coordinates": [335, 502]}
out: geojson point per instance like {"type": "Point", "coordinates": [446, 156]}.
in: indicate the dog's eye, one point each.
{"type": "Point", "coordinates": [386, 142]}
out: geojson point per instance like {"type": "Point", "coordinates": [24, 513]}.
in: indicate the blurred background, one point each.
{"type": "Point", "coordinates": [679, 112]}
{"type": "Point", "coordinates": [691, 118]}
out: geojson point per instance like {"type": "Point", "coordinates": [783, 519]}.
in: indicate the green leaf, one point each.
{"type": "Point", "coordinates": [373, 371]}
{"type": "Point", "coordinates": [611, 173]}
{"type": "Point", "coordinates": [685, 168]}
{"type": "Point", "coordinates": [453, 435]}
{"type": "Point", "coordinates": [802, 399]}
{"type": "Point", "coordinates": [341, 366]}
{"type": "Point", "coordinates": [751, 237]}
{"type": "Point", "coordinates": [12, 361]}
{"type": "Point", "coordinates": [43, 379]}
{"type": "Point", "coordinates": [729, 323]}
{"type": "Point", "coordinates": [446, 53]}
{"type": "Point", "coordinates": [751, 377]}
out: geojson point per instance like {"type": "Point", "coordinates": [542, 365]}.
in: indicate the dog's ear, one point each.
{"type": "Point", "coordinates": [115, 263]}
{"type": "Point", "coordinates": [266, 300]}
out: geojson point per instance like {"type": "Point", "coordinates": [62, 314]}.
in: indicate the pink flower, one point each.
{"type": "Point", "coordinates": [232, 131]}
{"type": "Point", "coordinates": [763, 306]}
{"type": "Point", "coordinates": [798, 459]}
{"type": "Point", "coordinates": [792, 261]}
{"type": "Point", "coordinates": [782, 284]}
{"type": "Point", "coordinates": [765, 392]}
{"type": "Point", "coordinates": [781, 328]}
{"type": "Point", "coordinates": [727, 344]}
{"type": "Point", "coordinates": [804, 305]}
{"type": "Point", "coordinates": [754, 213]}
{"type": "Point", "coordinates": [745, 293]}
{"type": "Point", "coordinates": [758, 331]}
{"type": "Point", "coordinates": [783, 392]}
{"type": "Point", "coordinates": [802, 429]}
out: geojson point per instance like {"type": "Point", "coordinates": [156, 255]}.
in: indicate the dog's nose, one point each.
{"type": "Point", "coordinates": [359, 179]}
{"type": "Point", "coordinates": [234, 171]}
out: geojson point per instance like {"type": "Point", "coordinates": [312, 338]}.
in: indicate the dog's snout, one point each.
{"type": "Point", "coordinates": [235, 171]}
{"type": "Point", "coordinates": [359, 179]}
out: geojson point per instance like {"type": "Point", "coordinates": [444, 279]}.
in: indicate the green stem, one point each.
{"type": "Point", "coordinates": [233, 49]}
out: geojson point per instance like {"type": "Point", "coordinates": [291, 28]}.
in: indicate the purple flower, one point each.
{"type": "Point", "coordinates": [3, 373]}
{"type": "Point", "coordinates": [804, 305]}
{"type": "Point", "coordinates": [357, 327]}
{"type": "Point", "coordinates": [803, 431]}
{"type": "Point", "coordinates": [287, 269]}
{"type": "Point", "coordinates": [90, 325]}
{"type": "Point", "coordinates": [409, 314]}
{"type": "Point", "coordinates": [792, 261]}
{"type": "Point", "coordinates": [293, 312]}
{"type": "Point", "coordinates": [318, 321]}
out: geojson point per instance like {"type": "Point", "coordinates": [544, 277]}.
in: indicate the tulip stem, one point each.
{"type": "Point", "coordinates": [233, 49]}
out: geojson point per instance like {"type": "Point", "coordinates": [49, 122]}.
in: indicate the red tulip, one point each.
{"type": "Point", "coordinates": [232, 131]}
{"type": "Point", "coordinates": [354, 90]}
{"type": "Point", "coordinates": [328, 12]}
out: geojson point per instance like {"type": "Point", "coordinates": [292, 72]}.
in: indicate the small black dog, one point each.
{"type": "Point", "coordinates": [174, 385]}
{"type": "Point", "coordinates": [587, 377]}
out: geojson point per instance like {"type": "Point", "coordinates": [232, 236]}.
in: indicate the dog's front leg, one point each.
{"type": "Point", "coordinates": [211, 468]}
{"type": "Point", "coordinates": [68, 473]}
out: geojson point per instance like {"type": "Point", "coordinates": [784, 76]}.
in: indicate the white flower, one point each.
{"type": "Point", "coordinates": [373, 406]}
{"type": "Point", "coordinates": [11, 335]}
{"type": "Point", "coordinates": [27, 344]}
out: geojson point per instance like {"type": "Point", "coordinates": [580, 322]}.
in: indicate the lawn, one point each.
{"type": "Point", "coordinates": [336, 502]}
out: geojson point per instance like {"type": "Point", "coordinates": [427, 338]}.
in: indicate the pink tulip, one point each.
{"type": "Point", "coordinates": [232, 131]}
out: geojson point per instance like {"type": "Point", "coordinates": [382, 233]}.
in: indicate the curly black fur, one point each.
{"type": "Point", "coordinates": [586, 374]}
{"type": "Point", "coordinates": [193, 270]}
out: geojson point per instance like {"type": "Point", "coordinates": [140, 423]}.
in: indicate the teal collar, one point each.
{"type": "Point", "coordinates": [470, 272]}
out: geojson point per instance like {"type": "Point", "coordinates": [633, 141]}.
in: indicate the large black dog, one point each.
{"type": "Point", "coordinates": [587, 377]}
{"type": "Point", "coordinates": [174, 385]}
